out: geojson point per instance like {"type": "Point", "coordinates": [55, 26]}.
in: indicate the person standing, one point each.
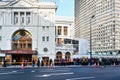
{"type": "Point", "coordinates": [33, 63]}
{"type": "Point", "coordinates": [4, 63]}
{"type": "Point", "coordinates": [51, 63]}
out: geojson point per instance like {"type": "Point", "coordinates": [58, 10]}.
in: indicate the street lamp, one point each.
{"type": "Point", "coordinates": [91, 38]}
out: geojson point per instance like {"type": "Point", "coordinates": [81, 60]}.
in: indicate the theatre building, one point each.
{"type": "Point", "coordinates": [27, 29]}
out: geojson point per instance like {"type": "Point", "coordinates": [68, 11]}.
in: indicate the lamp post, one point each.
{"type": "Point", "coordinates": [91, 38]}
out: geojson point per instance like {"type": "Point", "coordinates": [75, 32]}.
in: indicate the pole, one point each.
{"type": "Point", "coordinates": [91, 39]}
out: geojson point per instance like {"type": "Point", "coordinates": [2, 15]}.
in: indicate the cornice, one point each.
{"type": "Point", "coordinates": [40, 7]}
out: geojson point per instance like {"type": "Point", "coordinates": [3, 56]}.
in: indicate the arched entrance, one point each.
{"type": "Point", "coordinates": [22, 40]}
{"type": "Point", "coordinates": [58, 58]}
{"type": "Point", "coordinates": [59, 55]}
{"type": "Point", "coordinates": [67, 57]}
{"type": "Point", "coordinates": [21, 46]}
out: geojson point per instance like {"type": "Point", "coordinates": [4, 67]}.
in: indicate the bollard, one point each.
{"type": "Point", "coordinates": [22, 66]}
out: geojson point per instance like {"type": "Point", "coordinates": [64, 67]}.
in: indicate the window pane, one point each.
{"type": "Point", "coordinates": [47, 38]}
{"type": "Point", "coordinates": [0, 38]}
{"type": "Point", "coordinates": [59, 30]}
{"type": "Point", "coordinates": [0, 27]}
{"type": "Point", "coordinates": [43, 38]}
{"type": "Point", "coordinates": [65, 30]}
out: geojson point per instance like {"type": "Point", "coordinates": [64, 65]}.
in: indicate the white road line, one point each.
{"type": "Point", "coordinates": [55, 70]}
{"type": "Point", "coordinates": [80, 78]}
{"type": "Point", "coordinates": [32, 71]}
{"type": "Point", "coordinates": [10, 72]}
{"type": "Point", "coordinates": [54, 74]}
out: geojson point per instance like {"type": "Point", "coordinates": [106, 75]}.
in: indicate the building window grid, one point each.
{"type": "Point", "coordinates": [45, 38]}
{"type": "Point", "coordinates": [23, 16]}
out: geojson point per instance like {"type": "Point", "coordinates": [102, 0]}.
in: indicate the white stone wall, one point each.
{"type": "Point", "coordinates": [40, 17]}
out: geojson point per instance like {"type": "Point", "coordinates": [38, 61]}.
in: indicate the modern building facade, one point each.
{"type": "Point", "coordinates": [27, 29]}
{"type": "Point", "coordinates": [101, 18]}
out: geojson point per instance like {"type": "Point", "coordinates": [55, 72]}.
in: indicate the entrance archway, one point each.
{"type": "Point", "coordinates": [21, 46]}
{"type": "Point", "coordinates": [22, 40]}
{"type": "Point", "coordinates": [67, 55]}
{"type": "Point", "coordinates": [59, 55]}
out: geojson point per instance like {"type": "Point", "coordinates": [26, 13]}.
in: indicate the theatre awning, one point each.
{"type": "Point", "coordinates": [18, 51]}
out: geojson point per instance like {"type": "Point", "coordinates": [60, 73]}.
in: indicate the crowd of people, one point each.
{"type": "Point", "coordinates": [88, 61]}
{"type": "Point", "coordinates": [76, 61]}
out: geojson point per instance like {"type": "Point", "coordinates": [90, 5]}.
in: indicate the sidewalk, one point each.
{"type": "Point", "coordinates": [30, 66]}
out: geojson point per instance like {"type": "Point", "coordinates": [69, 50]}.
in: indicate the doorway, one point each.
{"type": "Point", "coordinates": [45, 61]}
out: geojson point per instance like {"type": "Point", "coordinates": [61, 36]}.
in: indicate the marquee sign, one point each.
{"type": "Point", "coordinates": [18, 51]}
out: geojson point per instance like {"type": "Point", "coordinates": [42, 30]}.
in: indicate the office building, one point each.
{"type": "Point", "coordinates": [102, 19]}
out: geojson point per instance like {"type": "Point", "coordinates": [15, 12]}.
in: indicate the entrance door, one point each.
{"type": "Point", "coordinates": [22, 57]}
{"type": "Point", "coordinates": [45, 61]}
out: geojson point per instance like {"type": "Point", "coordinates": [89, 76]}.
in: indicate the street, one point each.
{"type": "Point", "coordinates": [61, 73]}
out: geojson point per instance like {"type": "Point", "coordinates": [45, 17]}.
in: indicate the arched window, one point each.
{"type": "Point", "coordinates": [21, 40]}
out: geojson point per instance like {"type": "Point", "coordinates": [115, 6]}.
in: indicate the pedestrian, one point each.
{"type": "Point", "coordinates": [51, 63]}
{"type": "Point", "coordinates": [26, 62]}
{"type": "Point", "coordinates": [33, 63]}
{"type": "Point", "coordinates": [38, 63]}
{"type": "Point", "coordinates": [62, 62]}
{"type": "Point", "coordinates": [42, 63]}
{"type": "Point", "coordinates": [4, 63]}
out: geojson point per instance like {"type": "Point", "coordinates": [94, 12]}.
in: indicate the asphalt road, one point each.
{"type": "Point", "coordinates": [61, 73]}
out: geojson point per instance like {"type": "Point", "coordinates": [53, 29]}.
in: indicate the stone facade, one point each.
{"type": "Point", "coordinates": [33, 17]}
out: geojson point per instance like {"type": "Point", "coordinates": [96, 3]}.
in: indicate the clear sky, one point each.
{"type": "Point", "coordinates": [65, 7]}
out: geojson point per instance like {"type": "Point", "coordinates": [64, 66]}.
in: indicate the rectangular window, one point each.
{"type": "Point", "coordinates": [22, 20]}
{"type": "Point", "coordinates": [28, 20]}
{"type": "Point", "coordinates": [47, 27]}
{"type": "Point", "coordinates": [65, 30]}
{"type": "Point", "coordinates": [59, 30]}
{"type": "Point", "coordinates": [29, 45]}
{"type": "Point", "coordinates": [22, 17]}
{"type": "Point", "coordinates": [47, 38]}
{"type": "Point", "coordinates": [15, 17]}
{"type": "Point", "coordinates": [0, 27]}
{"type": "Point", "coordinates": [0, 38]}
{"type": "Point", "coordinates": [43, 38]}
{"type": "Point", "coordinates": [59, 40]}
{"type": "Point", "coordinates": [28, 17]}
{"type": "Point", "coordinates": [16, 20]}
{"type": "Point", "coordinates": [43, 27]}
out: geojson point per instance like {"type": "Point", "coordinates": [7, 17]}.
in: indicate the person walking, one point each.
{"type": "Point", "coordinates": [38, 63]}
{"type": "Point", "coordinates": [33, 63]}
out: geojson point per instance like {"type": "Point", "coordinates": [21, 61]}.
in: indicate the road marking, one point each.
{"type": "Point", "coordinates": [54, 74]}
{"type": "Point", "coordinates": [14, 71]}
{"type": "Point", "coordinates": [11, 72]}
{"type": "Point", "coordinates": [32, 71]}
{"type": "Point", "coordinates": [80, 78]}
{"type": "Point", "coordinates": [54, 70]}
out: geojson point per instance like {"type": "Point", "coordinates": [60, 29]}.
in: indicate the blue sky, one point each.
{"type": "Point", "coordinates": [65, 7]}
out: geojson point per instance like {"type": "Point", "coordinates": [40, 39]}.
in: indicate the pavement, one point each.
{"type": "Point", "coordinates": [30, 66]}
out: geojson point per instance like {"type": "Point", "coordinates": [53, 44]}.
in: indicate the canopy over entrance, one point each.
{"type": "Point", "coordinates": [19, 51]}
